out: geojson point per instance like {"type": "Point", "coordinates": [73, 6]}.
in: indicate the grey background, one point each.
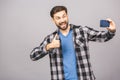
{"type": "Point", "coordinates": [25, 23]}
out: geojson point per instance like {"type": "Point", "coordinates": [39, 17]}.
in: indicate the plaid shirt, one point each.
{"type": "Point", "coordinates": [81, 37]}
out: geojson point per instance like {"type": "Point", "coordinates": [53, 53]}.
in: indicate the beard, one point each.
{"type": "Point", "coordinates": [63, 25]}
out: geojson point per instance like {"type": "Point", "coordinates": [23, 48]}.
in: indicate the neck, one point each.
{"type": "Point", "coordinates": [65, 32]}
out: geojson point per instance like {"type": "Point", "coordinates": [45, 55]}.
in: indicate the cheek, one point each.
{"type": "Point", "coordinates": [56, 22]}
{"type": "Point", "coordinates": [67, 19]}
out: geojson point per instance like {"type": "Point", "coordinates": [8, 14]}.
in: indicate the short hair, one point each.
{"type": "Point", "coordinates": [57, 9]}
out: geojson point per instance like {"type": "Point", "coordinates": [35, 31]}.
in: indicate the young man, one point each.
{"type": "Point", "coordinates": [68, 47]}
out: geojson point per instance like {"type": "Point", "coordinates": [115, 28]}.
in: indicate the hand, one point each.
{"type": "Point", "coordinates": [112, 27]}
{"type": "Point", "coordinates": [54, 44]}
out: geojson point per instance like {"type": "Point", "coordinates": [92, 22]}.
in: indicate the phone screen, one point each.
{"type": "Point", "coordinates": [104, 23]}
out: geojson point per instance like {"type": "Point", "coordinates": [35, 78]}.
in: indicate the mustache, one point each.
{"type": "Point", "coordinates": [62, 23]}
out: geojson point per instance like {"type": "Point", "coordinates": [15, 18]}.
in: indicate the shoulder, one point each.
{"type": "Point", "coordinates": [80, 27]}
{"type": "Point", "coordinates": [51, 35]}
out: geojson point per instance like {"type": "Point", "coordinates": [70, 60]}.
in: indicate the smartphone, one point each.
{"type": "Point", "coordinates": [104, 23]}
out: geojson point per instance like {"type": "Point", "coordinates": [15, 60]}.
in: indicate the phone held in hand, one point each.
{"type": "Point", "coordinates": [104, 23]}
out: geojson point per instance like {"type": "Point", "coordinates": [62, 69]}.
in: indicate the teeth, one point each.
{"type": "Point", "coordinates": [63, 23]}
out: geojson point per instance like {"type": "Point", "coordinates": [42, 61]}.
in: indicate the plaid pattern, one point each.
{"type": "Point", "coordinates": [81, 38]}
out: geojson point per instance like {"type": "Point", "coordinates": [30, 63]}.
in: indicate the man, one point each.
{"type": "Point", "coordinates": [68, 47]}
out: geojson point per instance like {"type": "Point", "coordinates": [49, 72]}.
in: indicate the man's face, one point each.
{"type": "Point", "coordinates": [61, 20]}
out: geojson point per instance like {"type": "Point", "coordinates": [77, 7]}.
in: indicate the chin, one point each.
{"type": "Point", "coordinates": [64, 28]}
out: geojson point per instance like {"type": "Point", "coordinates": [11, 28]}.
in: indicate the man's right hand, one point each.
{"type": "Point", "coordinates": [54, 44]}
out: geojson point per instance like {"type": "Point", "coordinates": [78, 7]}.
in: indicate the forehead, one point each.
{"type": "Point", "coordinates": [60, 13]}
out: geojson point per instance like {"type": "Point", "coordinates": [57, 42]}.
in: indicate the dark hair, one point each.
{"type": "Point", "coordinates": [57, 9]}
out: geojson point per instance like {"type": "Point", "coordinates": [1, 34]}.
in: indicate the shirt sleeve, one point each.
{"type": "Point", "coordinates": [40, 51]}
{"type": "Point", "coordinates": [99, 36]}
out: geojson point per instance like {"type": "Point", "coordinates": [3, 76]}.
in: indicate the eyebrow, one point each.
{"type": "Point", "coordinates": [62, 15]}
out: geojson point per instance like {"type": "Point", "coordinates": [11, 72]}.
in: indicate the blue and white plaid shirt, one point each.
{"type": "Point", "coordinates": [81, 38]}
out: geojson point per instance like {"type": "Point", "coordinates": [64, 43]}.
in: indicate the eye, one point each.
{"type": "Point", "coordinates": [64, 15]}
{"type": "Point", "coordinates": [57, 18]}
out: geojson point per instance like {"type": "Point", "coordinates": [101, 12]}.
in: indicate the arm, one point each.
{"type": "Point", "coordinates": [45, 47]}
{"type": "Point", "coordinates": [101, 36]}
{"type": "Point", "coordinates": [40, 51]}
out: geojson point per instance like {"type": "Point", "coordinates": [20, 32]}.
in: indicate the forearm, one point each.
{"type": "Point", "coordinates": [109, 35]}
{"type": "Point", "coordinates": [99, 36]}
{"type": "Point", "coordinates": [36, 54]}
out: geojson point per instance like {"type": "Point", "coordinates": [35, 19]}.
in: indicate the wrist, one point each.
{"type": "Point", "coordinates": [113, 30]}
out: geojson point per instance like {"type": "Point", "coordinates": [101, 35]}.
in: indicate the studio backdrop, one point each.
{"type": "Point", "coordinates": [25, 23]}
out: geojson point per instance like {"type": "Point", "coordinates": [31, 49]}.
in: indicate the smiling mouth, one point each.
{"type": "Point", "coordinates": [63, 23]}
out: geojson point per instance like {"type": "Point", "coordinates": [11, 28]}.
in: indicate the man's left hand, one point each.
{"type": "Point", "coordinates": [112, 27]}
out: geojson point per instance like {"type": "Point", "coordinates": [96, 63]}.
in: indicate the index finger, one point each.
{"type": "Point", "coordinates": [109, 19]}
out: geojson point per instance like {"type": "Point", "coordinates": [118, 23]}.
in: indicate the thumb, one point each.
{"type": "Point", "coordinates": [56, 37]}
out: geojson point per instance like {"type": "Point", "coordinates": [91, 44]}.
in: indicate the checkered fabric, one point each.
{"type": "Point", "coordinates": [81, 38]}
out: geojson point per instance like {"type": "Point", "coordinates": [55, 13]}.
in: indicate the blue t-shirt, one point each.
{"type": "Point", "coordinates": [69, 57]}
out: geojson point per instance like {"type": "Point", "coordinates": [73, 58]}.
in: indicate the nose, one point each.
{"type": "Point", "coordinates": [62, 20]}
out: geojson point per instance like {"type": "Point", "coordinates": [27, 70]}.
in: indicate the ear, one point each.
{"type": "Point", "coordinates": [53, 20]}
